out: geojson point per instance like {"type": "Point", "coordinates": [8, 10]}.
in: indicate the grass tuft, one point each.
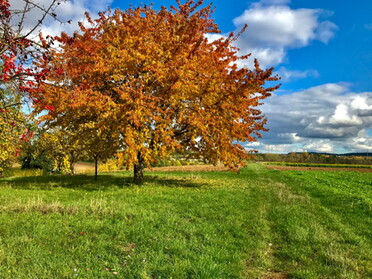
{"type": "Point", "coordinates": [38, 205]}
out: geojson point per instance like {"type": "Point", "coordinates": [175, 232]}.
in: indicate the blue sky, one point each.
{"type": "Point", "coordinates": [321, 49]}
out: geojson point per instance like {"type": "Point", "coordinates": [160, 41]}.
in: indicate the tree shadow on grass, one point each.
{"type": "Point", "coordinates": [182, 182]}
{"type": "Point", "coordinates": [88, 183]}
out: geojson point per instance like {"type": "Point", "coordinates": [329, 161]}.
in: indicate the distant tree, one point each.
{"type": "Point", "coordinates": [98, 143]}
{"type": "Point", "coordinates": [44, 152]}
{"type": "Point", "coordinates": [67, 147]}
{"type": "Point", "coordinates": [155, 80]}
{"type": "Point", "coordinates": [70, 143]}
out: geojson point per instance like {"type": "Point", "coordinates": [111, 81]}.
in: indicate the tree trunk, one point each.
{"type": "Point", "coordinates": [95, 167]}
{"type": "Point", "coordinates": [73, 157]}
{"type": "Point", "coordinates": [72, 167]}
{"type": "Point", "coordinates": [138, 170]}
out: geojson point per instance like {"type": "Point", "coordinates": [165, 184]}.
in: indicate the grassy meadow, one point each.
{"type": "Point", "coordinates": [290, 164]}
{"type": "Point", "coordinates": [261, 223]}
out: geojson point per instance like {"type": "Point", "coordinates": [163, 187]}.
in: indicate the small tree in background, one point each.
{"type": "Point", "coordinates": [99, 144]}
{"type": "Point", "coordinates": [153, 78]}
{"type": "Point", "coordinates": [70, 143]}
{"type": "Point", "coordinates": [45, 152]}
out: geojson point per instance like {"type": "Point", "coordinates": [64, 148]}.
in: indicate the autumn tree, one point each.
{"type": "Point", "coordinates": [18, 48]}
{"type": "Point", "coordinates": [99, 143]}
{"type": "Point", "coordinates": [44, 152]}
{"type": "Point", "coordinates": [71, 143]}
{"type": "Point", "coordinates": [154, 78]}
{"type": "Point", "coordinates": [65, 146]}
{"type": "Point", "coordinates": [10, 117]}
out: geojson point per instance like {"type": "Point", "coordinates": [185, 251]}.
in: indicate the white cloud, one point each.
{"type": "Point", "coordinates": [265, 56]}
{"type": "Point", "coordinates": [361, 103]}
{"type": "Point", "coordinates": [329, 113]}
{"type": "Point", "coordinates": [325, 31]}
{"type": "Point", "coordinates": [342, 116]}
{"type": "Point", "coordinates": [253, 144]}
{"type": "Point", "coordinates": [279, 148]}
{"type": "Point", "coordinates": [361, 143]}
{"type": "Point", "coordinates": [274, 28]}
{"type": "Point", "coordinates": [215, 37]}
{"type": "Point", "coordinates": [288, 75]}
{"type": "Point", "coordinates": [319, 146]}
{"type": "Point", "coordinates": [279, 25]}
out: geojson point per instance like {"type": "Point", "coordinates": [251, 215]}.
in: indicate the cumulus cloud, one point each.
{"type": "Point", "coordinates": [318, 118]}
{"type": "Point", "coordinates": [274, 28]}
{"type": "Point", "coordinates": [341, 116]}
{"type": "Point", "coordinates": [279, 25]}
{"type": "Point", "coordinates": [362, 142]}
{"type": "Point", "coordinates": [362, 105]}
{"type": "Point", "coordinates": [319, 146]}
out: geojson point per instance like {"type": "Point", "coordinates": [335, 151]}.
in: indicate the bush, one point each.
{"type": "Point", "coordinates": [110, 165]}
{"type": "Point", "coordinates": [163, 163]}
{"type": "Point", "coordinates": [176, 163]}
{"type": "Point", "coordinates": [40, 161]}
{"type": "Point", "coordinates": [185, 163]}
{"type": "Point", "coordinates": [63, 165]}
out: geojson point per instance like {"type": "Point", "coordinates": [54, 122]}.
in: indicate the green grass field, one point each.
{"type": "Point", "coordinates": [259, 224]}
{"type": "Point", "coordinates": [289, 164]}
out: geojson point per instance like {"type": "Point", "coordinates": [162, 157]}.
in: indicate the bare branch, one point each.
{"type": "Point", "coordinates": [24, 12]}
{"type": "Point", "coordinates": [49, 11]}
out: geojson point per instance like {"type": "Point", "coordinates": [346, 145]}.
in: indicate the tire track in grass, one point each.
{"type": "Point", "coordinates": [261, 261]}
{"type": "Point", "coordinates": [328, 244]}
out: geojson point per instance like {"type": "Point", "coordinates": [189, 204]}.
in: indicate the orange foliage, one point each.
{"type": "Point", "coordinates": [155, 79]}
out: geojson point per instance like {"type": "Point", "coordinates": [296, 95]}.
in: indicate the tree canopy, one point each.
{"type": "Point", "coordinates": [152, 81]}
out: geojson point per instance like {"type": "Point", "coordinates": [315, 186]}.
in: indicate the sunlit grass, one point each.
{"type": "Point", "coordinates": [259, 224]}
{"type": "Point", "coordinates": [318, 165]}
{"type": "Point", "coordinates": [18, 172]}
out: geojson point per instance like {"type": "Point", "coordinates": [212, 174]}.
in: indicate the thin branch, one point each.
{"type": "Point", "coordinates": [20, 24]}
{"type": "Point", "coordinates": [45, 14]}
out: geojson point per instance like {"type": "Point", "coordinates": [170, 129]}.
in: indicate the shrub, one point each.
{"type": "Point", "coordinates": [163, 163]}
{"type": "Point", "coordinates": [39, 161]}
{"type": "Point", "coordinates": [110, 165]}
{"type": "Point", "coordinates": [176, 163]}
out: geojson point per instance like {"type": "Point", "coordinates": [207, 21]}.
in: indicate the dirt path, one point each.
{"type": "Point", "coordinates": [191, 168]}
{"type": "Point", "coordinates": [83, 167]}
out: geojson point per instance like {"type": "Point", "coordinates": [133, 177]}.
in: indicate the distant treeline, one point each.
{"type": "Point", "coordinates": [316, 158]}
